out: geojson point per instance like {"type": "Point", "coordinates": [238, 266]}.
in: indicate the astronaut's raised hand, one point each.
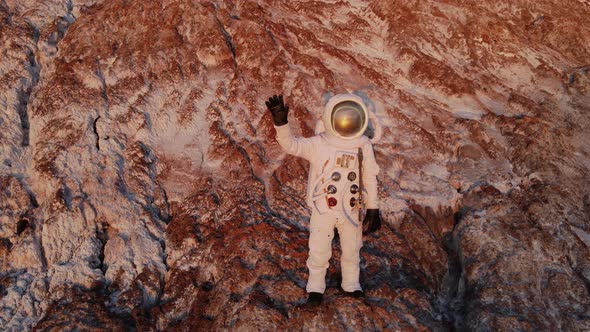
{"type": "Point", "coordinates": [278, 109]}
{"type": "Point", "coordinates": [372, 221]}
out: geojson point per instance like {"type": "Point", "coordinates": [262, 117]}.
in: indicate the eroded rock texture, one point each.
{"type": "Point", "coordinates": [141, 186]}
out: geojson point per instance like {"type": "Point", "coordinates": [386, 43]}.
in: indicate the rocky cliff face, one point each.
{"type": "Point", "coordinates": [141, 186]}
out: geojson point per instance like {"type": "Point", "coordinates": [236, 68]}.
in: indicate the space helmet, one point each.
{"type": "Point", "coordinates": [345, 117]}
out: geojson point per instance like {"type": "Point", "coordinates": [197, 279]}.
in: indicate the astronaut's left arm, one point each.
{"type": "Point", "coordinates": [369, 173]}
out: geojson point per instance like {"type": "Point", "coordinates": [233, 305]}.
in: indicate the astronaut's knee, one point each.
{"type": "Point", "coordinates": [319, 259]}
{"type": "Point", "coordinates": [318, 262]}
{"type": "Point", "coordinates": [320, 247]}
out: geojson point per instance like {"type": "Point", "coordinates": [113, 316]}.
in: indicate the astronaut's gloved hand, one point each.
{"type": "Point", "coordinates": [278, 109]}
{"type": "Point", "coordinates": [372, 221]}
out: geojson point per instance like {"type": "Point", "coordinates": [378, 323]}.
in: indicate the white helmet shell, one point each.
{"type": "Point", "coordinates": [345, 117]}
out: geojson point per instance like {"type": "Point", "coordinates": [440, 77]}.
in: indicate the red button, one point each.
{"type": "Point", "coordinates": [332, 202]}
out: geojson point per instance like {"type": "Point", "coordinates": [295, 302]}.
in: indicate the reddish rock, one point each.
{"type": "Point", "coordinates": [141, 186]}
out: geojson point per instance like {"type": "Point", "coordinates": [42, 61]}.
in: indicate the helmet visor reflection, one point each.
{"type": "Point", "coordinates": [348, 118]}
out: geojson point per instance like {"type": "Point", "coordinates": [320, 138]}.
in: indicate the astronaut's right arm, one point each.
{"type": "Point", "coordinates": [297, 146]}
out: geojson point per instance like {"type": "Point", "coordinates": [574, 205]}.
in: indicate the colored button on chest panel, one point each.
{"type": "Point", "coordinates": [351, 176]}
{"type": "Point", "coordinates": [332, 202]}
{"type": "Point", "coordinates": [331, 189]}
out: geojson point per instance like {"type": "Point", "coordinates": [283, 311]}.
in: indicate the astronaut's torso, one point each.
{"type": "Point", "coordinates": [334, 182]}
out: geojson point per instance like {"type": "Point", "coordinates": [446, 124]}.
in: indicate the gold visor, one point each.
{"type": "Point", "coordinates": [348, 118]}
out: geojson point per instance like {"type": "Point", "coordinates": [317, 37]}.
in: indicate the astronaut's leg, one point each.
{"type": "Point", "coordinates": [351, 241]}
{"type": "Point", "coordinates": [321, 233]}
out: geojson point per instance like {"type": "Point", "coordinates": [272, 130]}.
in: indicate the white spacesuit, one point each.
{"type": "Point", "coordinates": [333, 187]}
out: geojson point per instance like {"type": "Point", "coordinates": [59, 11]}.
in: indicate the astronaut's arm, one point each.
{"type": "Point", "coordinates": [297, 146]}
{"type": "Point", "coordinates": [370, 171]}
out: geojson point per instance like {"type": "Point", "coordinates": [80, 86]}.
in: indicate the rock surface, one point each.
{"type": "Point", "coordinates": [141, 186]}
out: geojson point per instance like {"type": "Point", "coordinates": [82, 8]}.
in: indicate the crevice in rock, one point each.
{"type": "Point", "coordinates": [120, 183]}
{"type": "Point", "coordinates": [21, 109]}
{"type": "Point", "coordinates": [180, 36]}
{"type": "Point", "coordinates": [94, 128]}
{"type": "Point", "coordinates": [151, 206]}
{"type": "Point", "coordinates": [62, 25]}
{"type": "Point", "coordinates": [102, 236]}
{"type": "Point", "coordinates": [9, 14]}
{"type": "Point", "coordinates": [537, 21]}
{"type": "Point", "coordinates": [66, 194]}
{"type": "Point", "coordinates": [451, 302]}
{"type": "Point", "coordinates": [473, 186]}
{"type": "Point", "coordinates": [32, 198]}
{"type": "Point", "coordinates": [70, 18]}
{"type": "Point", "coordinates": [38, 237]}
{"type": "Point", "coordinates": [165, 216]}
{"type": "Point", "coordinates": [100, 227]}
{"type": "Point", "coordinates": [164, 257]}
{"type": "Point", "coordinates": [229, 41]}
{"type": "Point", "coordinates": [22, 225]}
{"type": "Point", "coordinates": [105, 99]}
{"type": "Point", "coordinates": [571, 76]}
{"type": "Point", "coordinates": [273, 38]}
{"type": "Point", "coordinates": [36, 32]}
{"type": "Point", "coordinates": [160, 241]}
{"type": "Point", "coordinates": [162, 285]}
{"type": "Point", "coordinates": [103, 84]}
{"type": "Point", "coordinates": [24, 92]}
{"type": "Point", "coordinates": [34, 68]}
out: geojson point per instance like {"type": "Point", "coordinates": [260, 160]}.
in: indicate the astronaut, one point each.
{"type": "Point", "coordinates": [342, 178]}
